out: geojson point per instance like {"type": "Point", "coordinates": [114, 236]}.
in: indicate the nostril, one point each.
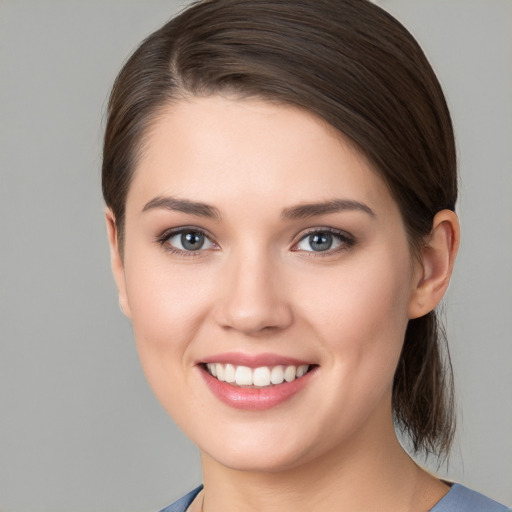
{"type": "Point", "coordinates": [254, 318]}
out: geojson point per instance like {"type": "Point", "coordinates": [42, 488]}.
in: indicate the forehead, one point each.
{"type": "Point", "coordinates": [222, 149]}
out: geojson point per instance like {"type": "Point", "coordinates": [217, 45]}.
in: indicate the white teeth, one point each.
{"type": "Point", "coordinates": [262, 376]}
{"type": "Point", "coordinates": [277, 375]}
{"type": "Point", "coordinates": [289, 373]}
{"type": "Point", "coordinates": [229, 373]}
{"type": "Point", "coordinates": [302, 370]}
{"type": "Point", "coordinates": [220, 371]}
{"type": "Point", "coordinates": [243, 376]}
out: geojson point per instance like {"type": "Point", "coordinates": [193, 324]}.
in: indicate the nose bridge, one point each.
{"type": "Point", "coordinates": [253, 300]}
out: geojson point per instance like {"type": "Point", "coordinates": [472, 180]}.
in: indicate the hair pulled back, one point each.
{"type": "Point", "coordinates": [356, 67]}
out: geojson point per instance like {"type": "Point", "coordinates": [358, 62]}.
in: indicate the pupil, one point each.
{"type": "Point", "coordinates": [192, 241]}
{"type": "Point", "coordinates": [320, 241]}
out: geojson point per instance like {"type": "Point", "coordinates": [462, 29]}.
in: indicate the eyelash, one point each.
{"type": "Point", "coordinates": [164, 238]}
{"type": "Point", "coordinates": [346, 240]}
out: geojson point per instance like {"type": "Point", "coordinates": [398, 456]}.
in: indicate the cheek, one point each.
{"type": "Point", "coordinates": [361, 316]}
{"type": "Point", "coordinates": [168, 305]}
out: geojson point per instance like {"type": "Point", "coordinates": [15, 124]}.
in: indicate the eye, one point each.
{"type": "Point", "coordinates": [187, 240]}
{"type": "Point", "coordinates": [323, 241]}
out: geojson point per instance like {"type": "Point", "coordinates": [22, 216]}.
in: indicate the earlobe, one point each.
{"type": "Point", "coordinates": [117, 262]}
{"type": "Point", "coordinates": [436, 265]}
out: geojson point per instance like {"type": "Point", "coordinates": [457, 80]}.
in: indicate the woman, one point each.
{"type": "Point", "coordinates": [280, 181]}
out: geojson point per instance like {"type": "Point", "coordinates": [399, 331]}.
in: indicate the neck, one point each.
{"type": "Point", "coordinates": [367, 475]}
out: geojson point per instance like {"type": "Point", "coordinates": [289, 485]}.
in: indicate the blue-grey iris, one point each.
{"type": "Point", "coordinates": [192, 240]}
{"type": "Point", "coordinates": [320, 241]}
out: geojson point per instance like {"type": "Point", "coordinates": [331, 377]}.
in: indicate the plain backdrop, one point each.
{"type": "Point", "coordinates": [79, 428]}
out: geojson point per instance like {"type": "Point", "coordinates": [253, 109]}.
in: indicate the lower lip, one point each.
{"type": "Point", "coordinates": [255, 399]}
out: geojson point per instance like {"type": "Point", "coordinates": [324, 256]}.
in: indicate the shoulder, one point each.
{"type": "Point", "coordinates": [458, 499]}
{"type": "Point", "coordinates": [183, 503]}
{"type": "Point", "coordinates": [462, 499]}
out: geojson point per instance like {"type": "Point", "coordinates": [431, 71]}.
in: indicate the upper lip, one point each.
{"type": "Point", "coordinates": [253, 360]}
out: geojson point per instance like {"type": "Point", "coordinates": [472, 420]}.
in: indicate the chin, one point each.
{"type": "Point", "coordinates": [258, 461]}
{"type": "Point", "coordinates": [260, 453]}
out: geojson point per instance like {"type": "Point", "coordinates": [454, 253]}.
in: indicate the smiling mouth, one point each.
{"type": "Point", "coordinates": [260, 377]}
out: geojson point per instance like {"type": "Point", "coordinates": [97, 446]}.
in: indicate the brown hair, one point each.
{"type": "Point", "coordinates": [353, 65]}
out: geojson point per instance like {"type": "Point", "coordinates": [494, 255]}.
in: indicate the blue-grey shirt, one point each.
{"type": "Point", "coordinates": [458, 499]}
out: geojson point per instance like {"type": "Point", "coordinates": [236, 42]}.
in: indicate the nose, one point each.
{"type": "Point", "coordinates": [252, 299]}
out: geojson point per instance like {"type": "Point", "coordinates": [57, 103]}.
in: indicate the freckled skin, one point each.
{"type": "Point", "coordinates": [257, 288]}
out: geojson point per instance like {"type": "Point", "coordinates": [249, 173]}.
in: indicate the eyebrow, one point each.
{"type": "Point", "coordinates": [301, 211]}
{"type": "Point", "coordinates": [304, 211]}
{"type": "Point", "coordinates": [182, 205]}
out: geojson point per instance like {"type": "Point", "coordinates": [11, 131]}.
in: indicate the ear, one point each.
{"type": "Point", "coordinates": [117, 262]}
{"type": "Point", "coordinates": [434, 270]}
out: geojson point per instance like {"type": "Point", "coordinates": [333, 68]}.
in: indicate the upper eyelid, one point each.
{"type": "Point", "coordinates": [163, 242]}
{"type": "Point", "coordinates": [168, 233]}
{"type": "Point", "coordinates": [348, 239]}
{"type": "Point", "coordinates": [333, 231]}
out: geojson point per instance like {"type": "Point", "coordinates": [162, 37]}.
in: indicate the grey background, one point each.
{"type": "Point", "coordinates": [79, 427]}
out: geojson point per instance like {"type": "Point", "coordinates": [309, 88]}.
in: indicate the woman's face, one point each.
{"type": "Point", "coordinates": [261, 244]}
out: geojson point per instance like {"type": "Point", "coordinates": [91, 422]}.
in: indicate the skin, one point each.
{"type": "Point", "coordinates": [258, 287]}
